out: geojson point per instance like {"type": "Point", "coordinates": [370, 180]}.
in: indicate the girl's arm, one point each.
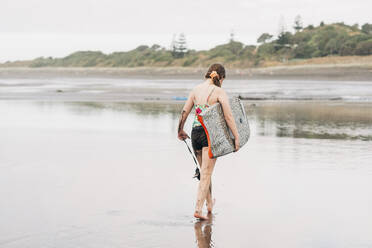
{"type": "Point", "coordinates": [182, 135]}
{"type": "Point", "coordinates": [224, 101]}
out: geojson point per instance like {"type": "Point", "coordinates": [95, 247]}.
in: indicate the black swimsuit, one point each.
{"type": "Point", "coordinates": [198, 138]}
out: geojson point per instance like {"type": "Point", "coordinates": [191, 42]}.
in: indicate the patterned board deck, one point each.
{"type": "Point", "coordinates": [220, 138]}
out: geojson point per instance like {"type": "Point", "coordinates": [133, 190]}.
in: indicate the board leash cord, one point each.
{"type": "Point", "coordinates": [197, 171]}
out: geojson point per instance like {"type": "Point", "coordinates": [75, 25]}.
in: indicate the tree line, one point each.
{"type": "Point", "coordinates": [323, 40]}
{"type": "Point", "coordinates": [336, 39]}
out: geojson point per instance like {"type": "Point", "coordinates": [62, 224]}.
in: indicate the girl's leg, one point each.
{"type": "Point", "coordinates": [205, 179]}
{"type": "Point", "coordinates": [210, 202]}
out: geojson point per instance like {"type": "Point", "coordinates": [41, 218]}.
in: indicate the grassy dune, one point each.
{"type": "Point", "coordinates": [335, 43]}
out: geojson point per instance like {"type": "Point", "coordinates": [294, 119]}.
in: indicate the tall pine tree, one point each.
{"type": "Point", "coordinates": [181, 45]}
{"type": "Point", "coordinates": [298, 26]}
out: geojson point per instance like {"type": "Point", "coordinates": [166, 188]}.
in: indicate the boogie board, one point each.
{"type": "Point", "coordinates": [219, 135]}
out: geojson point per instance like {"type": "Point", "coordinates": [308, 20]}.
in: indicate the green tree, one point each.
{"type": "Point", "coordinates": [364, 48]}
{"type": "Point", "coordinates": [367, 28]}
{"type": "Point", "coordinates": [173, 46]}
{"type": "Point", "coordinates": [264, 37]}
{"type": "Point", "coordinates": [304, 50]}
{"type": "Point", "coordinates": [142, 48]}
{"type": "Point", "coordinates": [284, 38]}
{"type": "Point", "coordinates": [266, 50]}
{"type": "Point", "coordinates": [229, 52]}
{"type": "Point", "coordinates": [179, 46]}
{"type": "Point", "coordinates": [355, 27]}
{"type": "Point", "coordinates": [322, 37]}
{"type": "Point", "coordinates": [155, 47]}
{"type": "Point", "coordinates": [298, 26]}
{"type": "Point", "coordinates": [232, 36]}
{"type": "Point", "coordinates": [348, 47]}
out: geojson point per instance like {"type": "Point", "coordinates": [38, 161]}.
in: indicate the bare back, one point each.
{"type": "Point", "coordinates": [206, 93]}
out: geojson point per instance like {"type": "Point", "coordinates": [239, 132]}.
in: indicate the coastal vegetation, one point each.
{"type": "Point", "coordinates": [304, 43]}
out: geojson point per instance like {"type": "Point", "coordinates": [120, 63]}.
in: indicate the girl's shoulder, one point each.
{"type": "Point", "coordinates": [203, 87]}
{"type": "Point", "coordinates": [198, 86]}
{"type": "Point", "coordinates": [218, 90]}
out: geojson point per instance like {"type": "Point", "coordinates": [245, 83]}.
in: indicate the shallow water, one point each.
{"type": "Point", "coordinates": [121, 89]}
{"type": "Point", "coordinates": [104, 174]}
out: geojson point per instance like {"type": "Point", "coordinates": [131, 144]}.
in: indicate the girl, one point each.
{"type": "Point", "coordinates": [202, 96]}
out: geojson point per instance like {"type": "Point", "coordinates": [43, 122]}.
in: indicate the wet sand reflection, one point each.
{"type": "Point", "coordinates": [310, 120]}
{"type": "Point", "coordinates": [114, 175]}
{"type": "Point", "coordinates": [203, 232]}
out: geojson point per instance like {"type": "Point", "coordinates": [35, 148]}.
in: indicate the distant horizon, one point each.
{"type": "Point", "coordinates": [109, 43]}
{"type": "Point", "coordinates": [35, 28]}
{"type": "Point", "coordinates": [106, 43]}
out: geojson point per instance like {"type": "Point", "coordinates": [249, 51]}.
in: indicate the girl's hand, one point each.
{"type": "Point", "coordinates": [237, 146]}
{"type": "Point", "coordinates": [182, 135]}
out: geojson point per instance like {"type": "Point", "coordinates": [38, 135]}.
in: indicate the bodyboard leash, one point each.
{"type": "Point", "coordinates": [197, 171]}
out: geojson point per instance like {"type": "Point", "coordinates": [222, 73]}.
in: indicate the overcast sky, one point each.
{"type": "Point", "coordinates": [33, 28]}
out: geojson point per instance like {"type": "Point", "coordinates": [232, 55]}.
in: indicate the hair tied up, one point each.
{"type": "Point", "coordinates": [214, 74]}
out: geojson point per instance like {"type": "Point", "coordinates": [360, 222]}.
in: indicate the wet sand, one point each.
{"type": "Point", "coordinates": [113, 174]}
{"type": "Point", "coordinates": [355, 71]}
{"type": "Point", "coordinates": [95, 89]}
{"type": "Point", "coordinates": [95, 162]}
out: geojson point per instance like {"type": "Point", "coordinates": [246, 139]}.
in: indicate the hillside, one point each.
{"type": "Point", "coordinates": [301, 47]}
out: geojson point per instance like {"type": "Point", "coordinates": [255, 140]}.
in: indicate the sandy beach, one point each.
{"type": "Point", "coordinates": [158, 88]}
{"type": "Point", "coordinates": [93, 103]}
{"type": "Point", "coordinates": [358, 71]}
{"type": "Point", "coordinates": [93, 161]}
{"type": "Point", "coordinates": [111, 174]}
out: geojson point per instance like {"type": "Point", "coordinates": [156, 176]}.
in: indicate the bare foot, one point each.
{"type": "Point", "coordinates": [210, 208]}
{"type": "Point", "coordinates": [199, 216]}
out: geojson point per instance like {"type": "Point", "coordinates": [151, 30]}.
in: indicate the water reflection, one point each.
{"type": "Point", "coordinates": [203, 232]}
{"type": "Point", "coordinates": [98, 180]}
{"type": "Point", "coordinates": [315, 120]}
{"type": "Point", "coordinates": [152, 109]}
